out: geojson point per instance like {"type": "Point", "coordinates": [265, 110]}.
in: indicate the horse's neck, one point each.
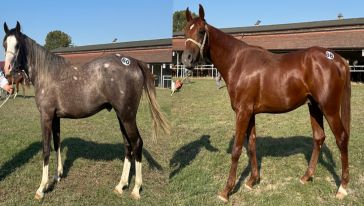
{"type": "Point", "coordinates": [40, 66]}
{"type": "Point", "coordinates": [222, 49]}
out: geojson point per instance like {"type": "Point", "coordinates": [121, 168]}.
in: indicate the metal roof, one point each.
{"type": "Point", "coordinates": [291, 26]}
{"type": "Point", "coordinates": [119, 45]}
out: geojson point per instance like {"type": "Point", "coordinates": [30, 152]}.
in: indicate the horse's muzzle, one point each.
{"type": "Point", "coordinates": [188, 59]}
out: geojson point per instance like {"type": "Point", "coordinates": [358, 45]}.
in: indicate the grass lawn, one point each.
{"type": "Point", "coordinates": [187, 168]}
{"type": "Point", "coordinates": [204, 127]}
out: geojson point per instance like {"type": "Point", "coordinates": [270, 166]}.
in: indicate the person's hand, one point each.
{"type": "Point", "coordinates": [8, 88]}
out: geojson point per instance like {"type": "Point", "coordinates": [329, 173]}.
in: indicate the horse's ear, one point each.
{"type": "Point", "coordinates": [6, 28]}
{"type": "Point", "coordinates": [201, 12]}
{"type": "Point", "coordinates": [17, 28]}
{"type": "Point", "coordinates": [188, 15]}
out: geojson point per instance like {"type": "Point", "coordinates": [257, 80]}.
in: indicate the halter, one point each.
{"type": "Point", "coordinates": [200, 45]}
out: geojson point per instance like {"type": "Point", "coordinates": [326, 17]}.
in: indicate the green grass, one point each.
{"type": "Point", "coordinates": [284, 147]}
{"type": "Point", "coordinates": [92, 152]}
{"type": "Point", "coordinates": [187, 168]}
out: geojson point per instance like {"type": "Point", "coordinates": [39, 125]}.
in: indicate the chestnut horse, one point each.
{"type": "Point", "coordinates": [259, 81]}
{"type": "Point", "coordinates": [19, 78]}
{"type": "Point", "coordinates": [65, 91]}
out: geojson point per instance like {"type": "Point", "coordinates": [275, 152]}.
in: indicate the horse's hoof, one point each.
{"type": "Point", "coordinates": [57, 178]}
{"type": "Point", "coordinates": [118, 192]}
{"type": "Point", "coordinates": [135, 195]}
{"type": "Point", "coordinates": [248, 187]}
{"type": "Point", "coordinates": [341, 193]}
{"type": "Point", "coordinates": [223, 198]}
{"type": "Point", "coordinates": [39, 196]}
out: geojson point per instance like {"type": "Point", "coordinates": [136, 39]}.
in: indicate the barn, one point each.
{"type": "Point", "coordinates": [345, 36]}
{"type": "Point", "coordinates": [156, 53]}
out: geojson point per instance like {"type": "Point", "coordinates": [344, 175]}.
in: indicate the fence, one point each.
{"type": "Point", "coordinates": [357, 73]}
{"type": "Point", "coordinates": [209, 71]}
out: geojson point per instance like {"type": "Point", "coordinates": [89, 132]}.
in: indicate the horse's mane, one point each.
{"type": "Point", "coordinates": [44, 63]}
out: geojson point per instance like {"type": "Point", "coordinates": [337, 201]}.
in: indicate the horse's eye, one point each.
{"type": "Point", "coordinates": [201, 32]}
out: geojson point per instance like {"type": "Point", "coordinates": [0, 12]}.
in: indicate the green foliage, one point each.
{"type": "Point", "coordinates": [57, 39]}
{"type": "Point", "coordinates": [179, 20]}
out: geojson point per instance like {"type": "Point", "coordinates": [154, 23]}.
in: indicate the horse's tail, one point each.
{"type": "Point", "coordinates": [159, 120]}
{"type": "Point", "coordinates": [345, 100]}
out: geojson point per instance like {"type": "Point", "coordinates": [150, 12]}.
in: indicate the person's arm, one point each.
{"type": "Point", "coordinates": [4, 84]}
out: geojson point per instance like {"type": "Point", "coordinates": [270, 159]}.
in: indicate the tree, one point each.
{"type": "Point", "coordinates": [57, 39]}
{"type": "Point", "coordinates": [179, 20]}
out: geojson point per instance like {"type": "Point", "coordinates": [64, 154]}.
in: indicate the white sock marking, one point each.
{"type": "Point", "coordinates": [59, 168]}
{"type": "Point", "coordinates": [124, 177]}
{"type": "Point", "coordinates": [138, 179]}
{"type": "Point", "coordinates": [44, 181]}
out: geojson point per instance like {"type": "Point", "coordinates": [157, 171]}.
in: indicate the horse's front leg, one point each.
{"type": "Point", "coordinates": [56, 133]}
{"type": "Point", "coordinates": [242, 122]}
{"type": "Point", "coordinates": [46, 125]}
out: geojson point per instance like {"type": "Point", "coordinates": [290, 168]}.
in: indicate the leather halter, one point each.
{"type": "Point", "coordinates": [200, 45]}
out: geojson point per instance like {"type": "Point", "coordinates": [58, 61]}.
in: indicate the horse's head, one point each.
{"type": "Point", "coordinates": [15, 50]}
{"type": "Point", "coordinates": [196, 39]}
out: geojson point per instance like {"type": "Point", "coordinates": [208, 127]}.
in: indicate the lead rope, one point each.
{"type": "Point", "coordinates": [7, 98]}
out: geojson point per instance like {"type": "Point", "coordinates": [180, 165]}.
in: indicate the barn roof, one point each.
{"type": "Point", "coordinates": [291, 26]}
{"type": "Point", "coordinates": [119, 45]}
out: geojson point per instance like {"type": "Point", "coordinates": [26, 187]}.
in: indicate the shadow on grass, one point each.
{"type": "Point", "coordinates": [184, 156]}
{"type": "Point", "coordinates": [19, 159]}
{"type": "Point", "coordinates": [284, 147]}
{"type": "Point", "coordinates": [77, 148]}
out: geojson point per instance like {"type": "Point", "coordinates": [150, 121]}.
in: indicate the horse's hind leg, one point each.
{"type": "Point", "coordinates": [342, 139]}
{"type": "Point", "coordinates": [135, 150]}
{"type": "Point", "coordinates": [254, 177]}
{"type": "Point", "coordinates": [316, 117]}
{"type": "Point", "coordinates": [57, 148]}
{"type": "Point", "coordinates": [23, 88]}
{"type": "Point", "coordinates": [124, 180]}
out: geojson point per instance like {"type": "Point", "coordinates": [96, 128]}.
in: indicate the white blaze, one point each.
{"type": "Point", "coordinates": [10, 52]}
{"type": "Point", "coordinates": [191, 27]}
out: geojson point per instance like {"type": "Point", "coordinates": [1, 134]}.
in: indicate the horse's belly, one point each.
{"type": "Point", "coordinates": [80, 109]}
{"type": "Point", "coordinates": [280, 104]}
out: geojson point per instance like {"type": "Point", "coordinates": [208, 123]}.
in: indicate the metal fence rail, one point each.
{"type": "Point", "coordinates": [357, 71]}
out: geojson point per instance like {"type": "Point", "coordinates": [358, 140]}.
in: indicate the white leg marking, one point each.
{"type": "Point", "coordinates": [59, 168]}
{"type": "Point", "coordinates": [124, 177]}
{"type": "Point", "coordinates": [341, 193]}
{"type": "Point", "coordinates": [40, 192]}
{"type": "Point", "coordinates": [138, 180]}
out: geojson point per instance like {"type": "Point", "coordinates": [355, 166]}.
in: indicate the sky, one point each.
{"type": "Point", "coordinates": [100, 21]}
{"type": "Point", "coordinates": [239, 13]}
{"type": "Point", "coordinates": [89, 21]}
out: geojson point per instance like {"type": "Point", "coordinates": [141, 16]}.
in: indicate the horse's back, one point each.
{"type": "Point", "coordinates": [102, 83]}
{"type": "Point", "coordinates": [282, 82]}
